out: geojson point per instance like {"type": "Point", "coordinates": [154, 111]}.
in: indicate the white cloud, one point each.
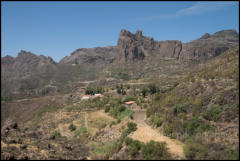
{"type": "Point", "coordinates": [198, 8]}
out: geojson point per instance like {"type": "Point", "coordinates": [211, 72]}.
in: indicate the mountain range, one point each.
{"type": "Point", "coordinates": [135, 56]}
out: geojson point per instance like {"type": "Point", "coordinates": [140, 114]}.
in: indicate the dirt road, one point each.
{"type": "Point", "coordinates": [145, 133]}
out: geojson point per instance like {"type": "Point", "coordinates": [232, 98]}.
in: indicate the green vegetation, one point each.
{"type": "Point", "coordinates": [49, 108]}
{"type": "Point", "coordinates": [72, 127]}
{"type": "Point", "coordinates": [196, 124]}
{"type": "Point", "coordinates": [133, 145]}
{"type": "Point", "coordinates": [94, 90]}
{"type": "Point", "coordinates": [150, 151]}
{"type": "Point", "coordinates": [117, 110]}
{"type": "Point", "coordinates": [152, 88]}
{"type": "Point", "coordinates": [158, 121]}
{"type": "Point", "coordinates": [121, 90]}
{"type": "Point", "coordinates": [56, 134]}
{"type": "Point", "coordinates": [123, 76]}
{"type": "Point", "coordinates": [129, 98]}
{"type": "Point", "coordinates": [155, 151]}
{"type": "Point", "coordinates": [144, 91]}
{"type": "Point", "coordinates": [131, 128]}
{"type": "Point", "coordinates": [196, 150]}
{"type": "Point", "coordinates": [213, 113]}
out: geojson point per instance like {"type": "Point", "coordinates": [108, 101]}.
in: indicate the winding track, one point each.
{"type": "Point", "coordinates": [145, 133]}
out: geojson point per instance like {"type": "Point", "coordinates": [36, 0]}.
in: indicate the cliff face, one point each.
{"type": "Point", "coordinates": [136, 47]}
{"type": "Point", "coordinates": [209, 46]}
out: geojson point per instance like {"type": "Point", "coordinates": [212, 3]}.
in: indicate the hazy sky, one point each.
{"type": "Point", "coordinates": [58, 28]}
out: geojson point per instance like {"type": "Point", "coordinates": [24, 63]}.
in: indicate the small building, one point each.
{"type": "Point", "coordinates": [85, 97]}
{"type": "Point", "coordinates": [129, 102]}
{"type": "Point", "coordinates": [98, 95]}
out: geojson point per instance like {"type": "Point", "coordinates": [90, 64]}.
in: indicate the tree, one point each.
{"type": "Point", "coordinates": [144, 91]}
{"type": "Point", "coordinates": [152, 88]}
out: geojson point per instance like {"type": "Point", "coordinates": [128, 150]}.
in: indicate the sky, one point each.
{"type": "Point", "coordinates": [56, 29]}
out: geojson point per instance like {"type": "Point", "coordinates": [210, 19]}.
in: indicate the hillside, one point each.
{"type": "Point", "coordinates": [191, 115]}
{"type": "Point", "coordinates": [202, 109]}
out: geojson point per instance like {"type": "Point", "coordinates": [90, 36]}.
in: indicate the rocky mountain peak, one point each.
{"type": "Point", "coordinates": [139, 33]}
{"type": "Point", "coordinates": [135, 47]}
{"type": "Point", "coordinates": [205, 36]}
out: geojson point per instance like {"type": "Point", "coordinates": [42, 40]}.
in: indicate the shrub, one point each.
{"type": "Point", "coordinates": [144, 91]}
{"type": "Point", "coordinates": [134, 147]}
{"type": "Point", "coordinates": [72, 127]}
{"type": "Point", "coordinates": [158, 121]}
{"type": "Point", "coordinates": [149, 112]}
{"type": "Point", "coordinates": [56, 134]}
{"type": "Point", "coordinates": [132, 127]}
{"type": "Point", "coordinates": [129, 98]}
{"type": "Point", "coordinates": [180, 108]}
{"type": "Point", "coordinates": [168, 130]}
{"type": "Point", "coordinates": [196, 124]}
{"type": "Point", "coordinates": [214, 113]}
{"type": "Point", "coordinates": [89, 90]}
{"type": "Point", "coordinates": [194, 150]}
{"type": "Point", "coordinates": [152, 88]}
{"type": "Point", "coordinates": [107, 109]}
{"type": "Point", "coordinates": [119, 91]}
{"type": "Point", "coordinates": [128, 140]}
{"type": "Point", "coordinates": [81, 130]}
{"type": "Point", "coordinates": [155, 151]}
{"type": "Point", "coordinates": [112, 123]}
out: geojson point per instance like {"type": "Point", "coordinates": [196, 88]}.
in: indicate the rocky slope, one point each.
{"type": "Point", "coordinates": [25, 73]}
{"type": "Point", "coordinates": [94, 56]}
{"type": "Point", "coordinates": [134, 47]}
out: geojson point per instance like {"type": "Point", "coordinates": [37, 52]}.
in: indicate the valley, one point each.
{"type": "Point", "coordinates": [159, 100]}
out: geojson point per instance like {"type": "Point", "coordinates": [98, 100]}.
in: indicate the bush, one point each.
{"type": "Point", "coordinates": [94, 90]}
{"type": "Point", "coordinates": [128, 141]}
{"type": "Point", "coordinates": [168, 130]}
{"type": "Point", "coordinates": [158, 121]}
{"type": "Point", "coordinates": [180, 108]}
{"type": "Point", "coordinates": [107, 109]}
{"type": "Point", "coordinates": [196, 124]}
{"type": "Point", "coordinates": [132, 127]}
{"type": "Point", "coordinates": [195, 151]}
{"type": "Point", "coordinates": [56, 134]}
{"type": "Point", "coordinates": [152, 88]}
{"type": "Point", "coordinates": [129, 98]}
{"type": "Point", "coordinates": [144, 91]}
{"type": "Point", "coordinates": [72, 127]}
{"type": "Point", "coordinates": [134, 147]}
{"type": "Point", "coordinates": [214, 113]}
{"type": "Point", "coordinates": [155, 151]}
{"type": "Point", "coordinates": [149, 112]}
{"type": "Point", "coordinates": [113, 123]}
{"type": "Point", "coordinates": [89, 90]}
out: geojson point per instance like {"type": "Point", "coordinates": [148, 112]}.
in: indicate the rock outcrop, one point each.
{"type": "Point", "coordinates": [136, 47]}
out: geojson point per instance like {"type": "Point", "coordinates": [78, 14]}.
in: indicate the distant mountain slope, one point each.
{"type": "Point", "coordinates": [135, 56]}
{"type": "Point", "coordinates": [95, 56]}
{"type": "Point", "coordinates": [26, 73]}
